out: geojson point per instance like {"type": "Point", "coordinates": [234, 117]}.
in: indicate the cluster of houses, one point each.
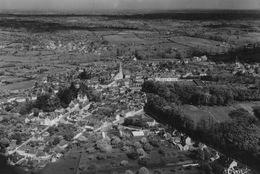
{"type": "Point", "coordinates": [244, 68]}
{"type": "Point", "coordinates": [79, 47]}
{"type": "Point", "coordinates": [235, 169]}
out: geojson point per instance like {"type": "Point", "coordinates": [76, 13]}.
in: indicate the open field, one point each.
{"type": "Point", "coordinates": [20, 85]}
{"type": "Point", "coordinates": [216, 113]}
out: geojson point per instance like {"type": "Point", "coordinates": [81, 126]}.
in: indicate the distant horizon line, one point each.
{"type": "Point", "coordinates": [122, 11]}
{"type": "Point", "coordinates": [146, 9]}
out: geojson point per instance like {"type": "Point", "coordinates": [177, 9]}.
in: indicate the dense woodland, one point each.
{"type": "Point", "coordinates": [239, 137]}
{"type": "Point", "coordinates": [248, 55]}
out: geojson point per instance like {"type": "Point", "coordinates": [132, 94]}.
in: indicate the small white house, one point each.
{"type": "Point", "coordinates": [138, 133]}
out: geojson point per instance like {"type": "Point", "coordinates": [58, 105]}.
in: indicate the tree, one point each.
{"type": "Point", "coordinates": [213, 100]}
{"type": "Point", "coordinates": [132, 155]}
{"type": "Point", "coordinates": [91, 93]}
{"type": "Point", "coordinates": [206, 168]}
{"type": "Point", "coordinates": [199, 98]}
{"type": "Point", "coordinates": [56, 141]}
{"type": "Point", "coordinates": [178, 56]}
{"type": "Point", "coordinates": [17, 137]}
{"type": "Point", "coordinates": [68, 135]}
{"type": "Point", "coordinates": [135, 122]}
{"type": "Point", "coordinates": [147, 147]}
{"type": "Point", "coordinates": [66, 95]}
{"type": "Point", "coordinates": [138, 55]}
{"type": "Point", "coordinates": [154, 141]}
{"type": "Point", "coordinates": [143, 161]}
{"type": "Point", "coordinates": [200, 155]}
{"type": "Point", "coordinates": [47, 103]}
{"type": "Point", "coordinates": [143, 170]}
{"type": "Point", "coordinates": [35, 112]}
{"type": "Point", "coordinates": [119, 52]}
{"type": "Point", "coordinates": [189, 124]}
{"type": "Point", "coordinates": [149, 87]}
{"type": "Point", "coordinates": [4, 142]}
{"type": "Point", "coordinates": [115, 141]}
{"type": "Point", "coordinates": [84, 75]}
{"type": "Point", "coordinates": [94, 95]}
{"type": "Point", "coordinates": [26, 108]}
{"type": "Point", "coordinates": [257, 112]}
{"type": "Point", "coordinates": [217, 168]}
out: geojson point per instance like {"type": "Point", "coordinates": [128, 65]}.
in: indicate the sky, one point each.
{"type": "Point", "coordinates": [128, 4]}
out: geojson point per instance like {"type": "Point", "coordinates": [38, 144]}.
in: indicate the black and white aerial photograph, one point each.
{"type": "Point", "coordinates": [129, 86]}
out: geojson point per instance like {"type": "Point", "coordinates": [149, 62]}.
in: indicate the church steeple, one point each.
{"type": "Point", "coordinates": [120, 74]}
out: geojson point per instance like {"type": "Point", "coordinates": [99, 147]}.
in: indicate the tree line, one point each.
{"type": "Point", "coordinates": [210, 95]}
{"type": "Point", "coordinates": [230, 78]}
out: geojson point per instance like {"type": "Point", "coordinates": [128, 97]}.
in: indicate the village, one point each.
{"type": "Point", "coordinates": [40, 138]}
{"type": "Point", "coordinates": [72, 98]}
